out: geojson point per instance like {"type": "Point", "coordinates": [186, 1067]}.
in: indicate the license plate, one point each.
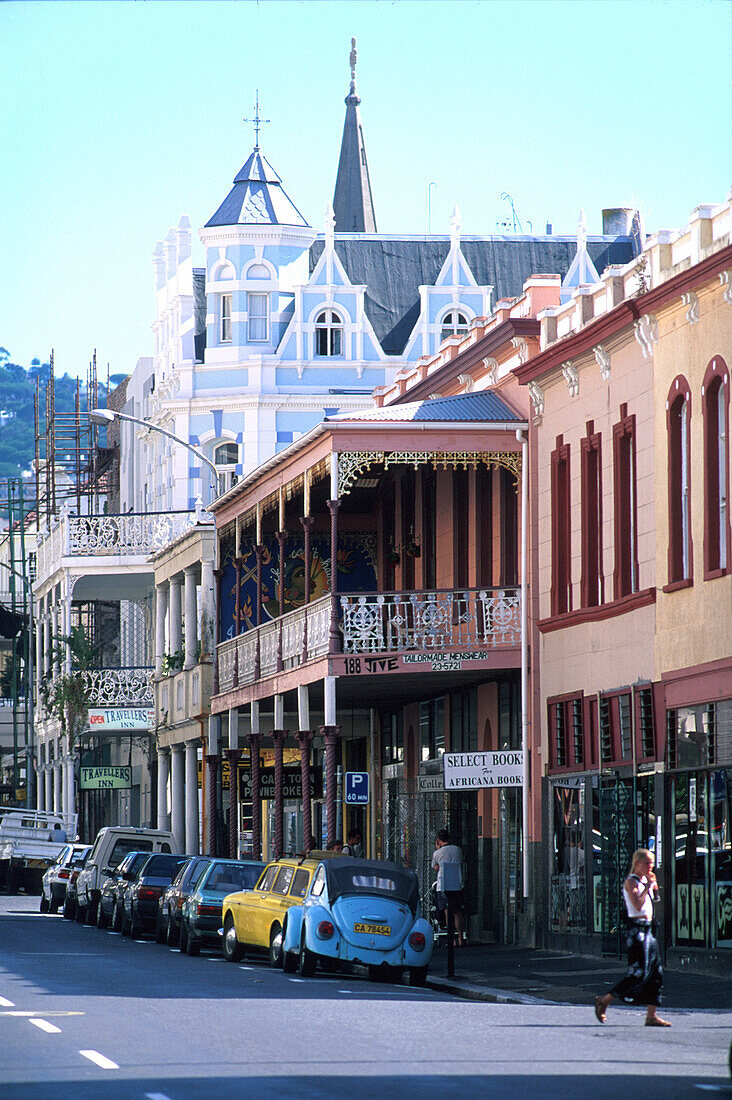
{"type": "Point", "coordinates": [373, 929]}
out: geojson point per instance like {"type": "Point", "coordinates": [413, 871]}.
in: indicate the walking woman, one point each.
{"type": "Point", "coordinates": [642, 983]}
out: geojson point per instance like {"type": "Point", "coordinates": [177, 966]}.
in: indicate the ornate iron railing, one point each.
{"type": "Point", "coordinates": [392, 622]}
{"type": "Point", "coordinates": [119, 687]}
{"type": "Point", "coordinates": [282, 639]}
{"type": "Point", "coordinates": [118, 535]}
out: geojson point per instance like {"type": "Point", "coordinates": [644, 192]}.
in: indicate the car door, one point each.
{"type": "Point", "coordinates": [248, 908]}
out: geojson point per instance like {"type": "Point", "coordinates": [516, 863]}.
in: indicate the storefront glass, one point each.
{"type": "Point", "coordinates": [568, 909]}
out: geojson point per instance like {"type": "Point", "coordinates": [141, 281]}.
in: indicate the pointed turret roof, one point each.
{"type": "Point", "coordinates": [257, 198]}
{"type": "Point", "coordinates": [353, 203]}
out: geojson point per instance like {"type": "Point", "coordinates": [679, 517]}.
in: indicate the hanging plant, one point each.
{"type": "Point", "coordinates": [392, 556]}
{"type": "Point", "coordinates": [413, 548]}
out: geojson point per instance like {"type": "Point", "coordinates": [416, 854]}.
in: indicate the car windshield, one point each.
{"type": "Point", "coordinates": [125, 845]}
{"type": "Point", "coordinates": [361, 876]}
{"type": "Point", "coordinates": [226, 878]}
{"type": "Point", "coordinates": [163, 866]}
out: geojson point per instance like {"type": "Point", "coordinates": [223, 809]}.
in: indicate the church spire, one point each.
{"type": "Point", "coordinates": [352, 202]}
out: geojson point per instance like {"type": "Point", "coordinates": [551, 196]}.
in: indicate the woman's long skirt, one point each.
{"type": "Point", "coordinates": [642, 983]}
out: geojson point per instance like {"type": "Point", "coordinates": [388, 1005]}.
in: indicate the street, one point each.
{"type": "Point", "coordinates": [87, 1013]}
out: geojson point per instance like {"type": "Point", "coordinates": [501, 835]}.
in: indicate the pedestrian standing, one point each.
{"type": "Point", "coordinates": [353, 847]}
{"type": "Point", "coordinates": [642, 983]}
{"type": "Point", "coordinates": [447, 860]}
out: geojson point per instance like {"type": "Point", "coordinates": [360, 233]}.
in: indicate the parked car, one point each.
{"type": "Point", "coordinates": [110, 909]}
{"type": "Point", "coordinates": [255, 919]}
{"type": "Point", "coordinates": [360, 911]}
{"type": "Point", "coordinates": [112, 844]}
{"type": "Point", "coordinates": [140, 899]}
{"type": "Point", "coordinates": [55, 880]}
{"type": "Point", "coordinates": [70, 909]}
{"type": "Point", "coordinates": [202, 909]}
{"type": "Point", "coordinates": [170, 907]}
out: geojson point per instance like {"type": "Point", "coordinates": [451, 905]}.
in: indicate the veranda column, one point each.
{"type": "Point", "coordinates": [41, 787]}
{"type": "Point", "coordinates": [176, 634]}
{"type": "Point", "coordinates": [177, 799]}
{"type": "Point", "coordinates": [278, 736]}
{"type": "Point", "coordinates": [307, 523]}
{"type": "Point", "coordinates": [304, 740]}
{"type": "Point", "coordinates": [281, 544]}
{"type": "Point", "coordinates": [192, 834]}
{"type": "Point", "coordinates": [254, 740]}
{"type": "Point", "coordinates": [40, 631]}
{"type": "Point", "coordinates": [54, 635]}
{"type": "Point", "coordinates": [191, 617]}
{"type": "Point", "coordinates": [233, 755]}
{"type": "Point", "coordinates": [49, 789]}
{"type": "Point", "coordinates": [47, 627]}
{"type": "Point", "coordinates": [259, 553]}
{"type": "Point", "coordinates": [57, 803]}
{"type": "Point", "coordinates": [161, 613]}
{"type": "Point", "coordinates": [334, 638]}
{"type": "Point", "coordinates": [330, 735]}
{"type": "Point", "coordinates": [212, 788]}
{"type": "Point", "coordinates": [163, 779]}
{"type": "Point", "coordinates": [66, 795]}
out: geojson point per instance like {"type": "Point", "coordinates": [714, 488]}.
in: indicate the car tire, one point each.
{"type": "Point", "coordinates": [275, 947]}
{"type": "Point", "coordinates": [172, 935]}
{"type": "Point", "coordinates": [194, 945]}
{"type": "Point", "coordinates": [233, 950]}
{"type": "Point", "coordinates": [90, 916]}
{"type": "Point", "coordinates": [117, 917]}
{"type": "Point", "coordinates": [125, 923]}
{"type": "Point", "coordinates": [69, 910]}
{"type": "Point", "coordinates": [102, 918]}
{"type": "Point", "coordinates": [159, 929]}
{"type": "Point", "coordinates": [183, 938]}
{"type": "Point", "coordinates": [308, 962]}
{"type": "Point", "coordinates": [53, 905]}
{"type": "Point", "coordinates": [80, 914]}
{"type": "Point", "coordinates": [417, 975]}
{"type": "Point", "coordinates": [135, 932]}
{"type": "Point", "coordinates": [45, 904]}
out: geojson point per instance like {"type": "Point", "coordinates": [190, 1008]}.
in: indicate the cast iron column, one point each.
{"type": "Point", "coordinates": [212, 768]}
{"type": "Point", "coordinates": [304, 739]}
{"type": "Point", "coordinates": [237, 618]}
{"type": "Point", "coordinates": [334, 640]}
{"type": "Point", "coordinates": [233, 756]}
{"type": "Point", "coordinates": [259, 551]}
{"type": "Point", "coordinates": [278, 736]}
{"type": "Point", "coordinates": [254, 741]}
{"type": "Point", "coordinates": [330, 735]}
{"type": "Point", "coordinates": [217, 629]}
{"type": "Point", "coordinates": [281, 540]}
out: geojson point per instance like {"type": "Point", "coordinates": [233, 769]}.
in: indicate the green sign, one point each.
{"type": "Point", "coordinates": [105, 778]}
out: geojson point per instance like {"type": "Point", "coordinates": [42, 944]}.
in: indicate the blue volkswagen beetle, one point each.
{"type": "Point", "coordinates": [359, 911]}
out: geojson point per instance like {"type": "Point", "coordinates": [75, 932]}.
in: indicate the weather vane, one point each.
{"type": "Point", "coordinates": [257, 120]}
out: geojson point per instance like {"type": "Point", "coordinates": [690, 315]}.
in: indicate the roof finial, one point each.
{"type": "Point", "coordinates": [582, 231]}
{"type": "Point", "coordinates": [329, 224]}
{"type": "Point", "coordinates": [455, 224]}
{"type": "Point", "coordinates": [353, 58]}
{"type": "Point", "coordinates": [257, 120]}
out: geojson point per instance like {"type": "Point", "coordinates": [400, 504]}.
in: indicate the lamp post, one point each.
{"type": "Point", "coordinates": [104, 417]}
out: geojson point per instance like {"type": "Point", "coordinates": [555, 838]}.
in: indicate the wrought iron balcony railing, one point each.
{"type": "Point", "coordinates": [378, 622]}
{"type": "Point", "coordinates": [114, 687]}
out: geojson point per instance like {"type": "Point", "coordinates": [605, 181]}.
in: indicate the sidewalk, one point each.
{"type": "Point", "coordinates": [522, 975]}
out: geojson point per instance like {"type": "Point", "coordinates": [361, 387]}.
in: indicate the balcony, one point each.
{"type": "Point", "coordinates": [183, 696]}
{"type": "Point", "coordinates": [134, 535]}
{"type": "Point", "coordinates": [113, 687]}
{"type": "Point", "coordinates": [386, 623]}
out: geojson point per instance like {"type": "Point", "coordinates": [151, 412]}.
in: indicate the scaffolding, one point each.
{"type": "Point", "coordinates": [17, 634]}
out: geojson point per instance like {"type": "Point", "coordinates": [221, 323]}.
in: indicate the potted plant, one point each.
{"type": "Point", "coordinates": [413, 548]}
{"type": "Point", "coordinates": [392, 556]}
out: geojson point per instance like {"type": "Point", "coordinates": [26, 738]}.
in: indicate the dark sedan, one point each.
{"type": "Point", "coordinates": [142, 896]}
{"type": "Point", "coordinates": [111, 909]}
{"type": "Point", "coordinates": [201, 919]}
{"type": "Point", "coordinates": [167, 929]}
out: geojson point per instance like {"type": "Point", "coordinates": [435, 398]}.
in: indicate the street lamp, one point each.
{"type": "Point", "coordinates": [104, 417]}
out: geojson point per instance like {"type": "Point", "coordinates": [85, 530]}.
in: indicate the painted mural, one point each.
{"type": "Point", "coordinates": [356, 573]}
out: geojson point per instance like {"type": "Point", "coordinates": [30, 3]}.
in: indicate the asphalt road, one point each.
{"type": "Point", "coordinates": [85, 1013]}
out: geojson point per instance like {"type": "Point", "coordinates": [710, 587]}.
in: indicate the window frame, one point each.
{"type": "Point", "coordinates": [455, 328]}
{"type": "Point", "coordinates": [592, 582]}
{"type": "Point", "coordinates": [254, 317]}
{"type": "Point", "coordinates": [680, 565]}
{"type": "Point", "coordinates": [331, 325]}
{"type": "Point", "coordinates": [625, 506]}
{"type": "Point", "coordinates": [225, 323]}
{"type": "Point", "coordinates": [717, 525]}
{"type": "Point", "coordinates": [563, 711]}
{"type": "Point", "coordinates": [561, 528]}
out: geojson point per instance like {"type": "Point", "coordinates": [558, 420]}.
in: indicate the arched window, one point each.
{"type": "Point", "coordinates": [328, 333]}
{"type": "Point", "coordinates": [454, 323]}
{"type": "Point", "coordinates": [715, 410]}
{"type": "Point", "coordinates": [258, 271]}
{"type": "Point", "coordinates": [678, 420]}
{"type": "Point", "coordinates": [226, 456]}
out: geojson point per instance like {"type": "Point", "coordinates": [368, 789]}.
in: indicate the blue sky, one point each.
{"type": "Point", "coordinates": [120, 117]}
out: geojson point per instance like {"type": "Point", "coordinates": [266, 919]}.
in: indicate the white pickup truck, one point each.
{"type": "Point", "coordinates": [30, 841]}
{"type": "Point", "coordinates": [112, 844]}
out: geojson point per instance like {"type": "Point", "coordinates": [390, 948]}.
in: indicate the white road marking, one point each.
{"type": "Point", "coordinates": [213, 960]}
{"type": "Point", "coordinates": [6, 1003]}
{"type": "Point", "coordinates": [709, 1088]}
{"type": "Point", "coordinates": [99, 1059]}
{"type": "Point", "coordinates": [297, 979]}
{"type": "Point", "coordinates": [45, 1026]}
{"type": "Point", "coordinates": [19, 1012]}
{"type": "Point", "coordinates": [156, 1096]}
{"type": "Point", "coordinates": [246, 968]}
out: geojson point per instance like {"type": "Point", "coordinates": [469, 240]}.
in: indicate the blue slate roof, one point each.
{"type": "Point", "coordinates": [393, 269]}
{"type": "Point", "coordinates": [257, 198]}
{"type": "Point", "coordinates": [482, 406]}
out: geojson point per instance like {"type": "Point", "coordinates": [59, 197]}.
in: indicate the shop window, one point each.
{"type": "Point", "coordinates": [328, 333]}
{"type": "Point", "coordinates": [678, 421]}
{"type": "Point", "coordinates": [691, 736]}
{"type": "Point", "coordinates": [626, 509]}
{"type": "Point", "coordinates": [257, 318]}
{"type": "Point", "coordinates": [392, 739]}
{"type": "Point", "coordinates": [561, 588]}
{"type": "Point", "coordinates": [464, 722]}
{"type": "Point", "coordinates": [432, 728]}
{"type": "Point", "coordinates": [592, 578]}
{"type": "Point", "coordinates": [568, 905]}
{"type": "Point", "coordinates": [715, 410]}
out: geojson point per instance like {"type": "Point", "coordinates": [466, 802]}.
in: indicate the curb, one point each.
{"type": "Point", "coordinates": [472, 992]}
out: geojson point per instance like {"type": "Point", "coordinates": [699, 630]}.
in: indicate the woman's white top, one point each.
{"type": "Point", "coordinates": [646, 910]}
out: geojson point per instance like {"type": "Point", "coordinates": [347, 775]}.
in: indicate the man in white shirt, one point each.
{"type": "Point", "coordinates": [448, 862]}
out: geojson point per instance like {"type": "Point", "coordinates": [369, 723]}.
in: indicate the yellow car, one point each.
{"type": "Point", "coordinates": [254, 919]}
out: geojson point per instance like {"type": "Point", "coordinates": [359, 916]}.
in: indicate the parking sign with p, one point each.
{"type": "Point", "coordinates": [357, 788]}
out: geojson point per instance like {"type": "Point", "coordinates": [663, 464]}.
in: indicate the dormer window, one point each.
{"type": "Point", "coordinates": [454, 323]}
{"type": "Point", "coordinates": [225, 328]}
{"type": "Point", "coordinates": [328, 333]}
{"type": "Point", "coordinates": [257, 318]}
